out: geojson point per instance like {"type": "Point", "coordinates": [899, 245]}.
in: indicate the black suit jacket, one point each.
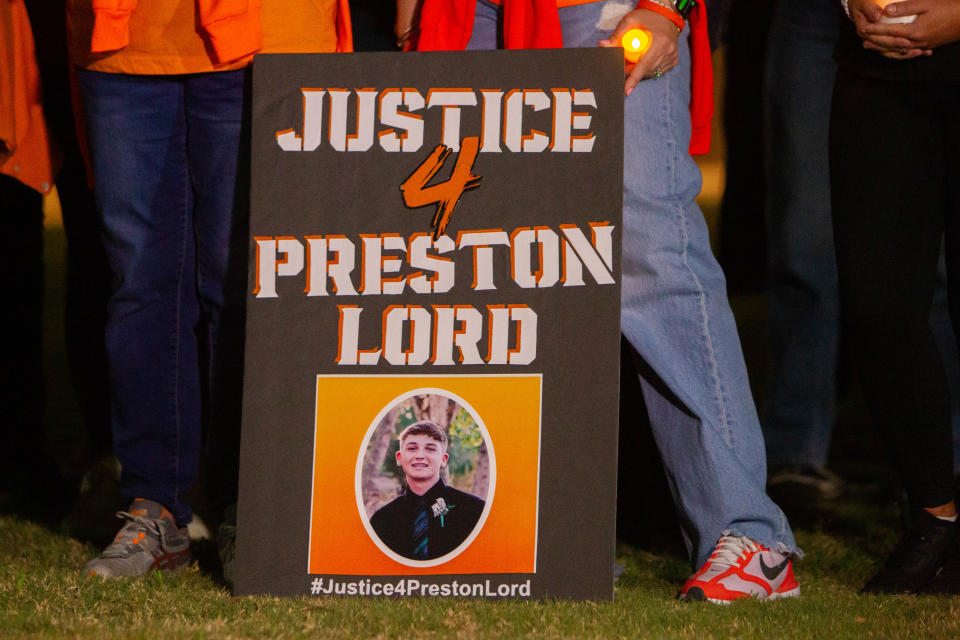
{"type": "Point", "coordinates": [394, 522]}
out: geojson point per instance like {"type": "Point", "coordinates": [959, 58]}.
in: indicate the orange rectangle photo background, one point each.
{"type": "Point", "coordinates": [508, 405]}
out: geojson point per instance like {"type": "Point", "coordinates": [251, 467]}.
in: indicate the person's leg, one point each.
{"type": "Point", "coordinates": [800, 393]}
{"type": "Point", "coordinates": [21, 316]}
{"type": "Point", "coordinates": [218, 150]}
{"type": "Point", "coordinates": [88, 289]}
{"type": "Point", "coordinates": [31, 483]}
{"type": "Point", "coordinates": [137, 131]}
{"type": "Point", "coordinates": [676, 315]}
{"type": "Point", "coordinates": [943, 333]}
{"type": "Point", "coordinates": [949, 271]}
{"type": "Point", "coordinates": [739, 234]}
{"type": "Point", "coordinates": [888, 224]}
{"type": "Point", "coordinates": [88, 277]}
{"type": "Point", "coordinates": [888, 157]}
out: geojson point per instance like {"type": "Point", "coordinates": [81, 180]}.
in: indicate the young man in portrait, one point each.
{"type": "Point", "coordinates": [429, 519]}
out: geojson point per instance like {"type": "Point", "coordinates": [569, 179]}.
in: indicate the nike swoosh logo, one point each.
{"type": "Point", "coordinates": [771, 573]}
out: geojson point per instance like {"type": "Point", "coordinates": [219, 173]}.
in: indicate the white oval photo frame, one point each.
{"type": "Point", "coordinates": [491, 487]}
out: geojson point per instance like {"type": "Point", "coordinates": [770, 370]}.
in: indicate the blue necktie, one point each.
{"type": "Point", "coordinates": [420, 546]}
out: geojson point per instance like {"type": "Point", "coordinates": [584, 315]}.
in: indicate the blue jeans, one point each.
{"type": "Point", "coordinates": [165, 152]}
{"type": "Point", "coordinates": [675, 311]}
{"type": "Point", "coordinates": [798, 411]}
{"type": "Point", "coordinates": [802, 300]}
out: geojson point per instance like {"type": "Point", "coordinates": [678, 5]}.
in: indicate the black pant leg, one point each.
{"type": "Point", "coordinates": [952, 194]}
{"type": "Point", "coordinates": [887, 173]}
{"type": "Point", "coordinates": [22, 445]}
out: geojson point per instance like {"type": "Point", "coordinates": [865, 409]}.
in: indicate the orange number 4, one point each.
{"type": "Point", "coordinates": [445, 194]}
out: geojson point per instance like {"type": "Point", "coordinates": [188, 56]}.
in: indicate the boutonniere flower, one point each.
{"type": "Point", "coordinates": [440, 509]}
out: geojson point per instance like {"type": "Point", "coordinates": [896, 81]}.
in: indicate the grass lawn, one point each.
{"type": "Point", "coordinates": [43, 594]}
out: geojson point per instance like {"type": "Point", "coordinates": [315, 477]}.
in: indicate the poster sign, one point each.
{"type": "Point", "coordinates": [431, 379]}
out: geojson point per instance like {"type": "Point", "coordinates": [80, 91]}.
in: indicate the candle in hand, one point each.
{"type": "Point", "coordinates": [897, 20]}
{"type": "Point", "coordinates": [635, 43]}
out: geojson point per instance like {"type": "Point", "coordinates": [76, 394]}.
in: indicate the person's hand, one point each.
{"type": "Point", "coordinates": [937, 24]}
{"type": "Point", "coordinates": [864, 12]}
{"type": "Point", "coordinates": [661, 57]}
{"type": "Point", "coordinates": [405, 26]}
{"type": "Point", "coordinates": [866, 15]}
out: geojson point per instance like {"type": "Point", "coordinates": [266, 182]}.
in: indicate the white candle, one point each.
{"type": "Point", "coordinates": [899, 19]}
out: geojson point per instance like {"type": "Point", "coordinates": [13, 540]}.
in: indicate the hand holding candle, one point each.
{"type": "Point", "coordinates": [933, 24]}
{"type": "Point", "coordinates": [635, 43]}
{"type": "Point", "coordinates": [649, 43]}
{"type": "Point", "coordinates": [899, 19]}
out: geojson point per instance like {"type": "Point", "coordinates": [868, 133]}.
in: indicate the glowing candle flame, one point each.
{"type": "Point", "coordinates": [635, 43]}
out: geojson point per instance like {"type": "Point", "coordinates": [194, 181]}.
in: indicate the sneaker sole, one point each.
{"type": "Point", "coordinates": [696, 594]}
{"type": "Point", "coordinates": [792, 593]}
{"type": "Point", "coordinates": [167, 562]}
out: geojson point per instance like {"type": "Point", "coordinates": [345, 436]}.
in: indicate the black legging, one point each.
{"type": "Point", "coordinates": [895, 173]}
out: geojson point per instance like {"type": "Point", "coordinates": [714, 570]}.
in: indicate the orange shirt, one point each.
{"type": "Point", "coordinates": [164, 38]}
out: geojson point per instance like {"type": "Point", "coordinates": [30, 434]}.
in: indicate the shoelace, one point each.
{"type": "Point", "coordinates": [730, 549]}
{"type": "Point", "coordinates": [131, 532]}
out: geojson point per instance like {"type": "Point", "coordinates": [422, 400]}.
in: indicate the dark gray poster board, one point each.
{"type": "Point", "coordinates": [434, 236]}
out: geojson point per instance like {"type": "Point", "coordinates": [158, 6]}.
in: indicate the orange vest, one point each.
{"type": "Point", "coordinates": [173, 37]}
{"type": "Point", "coordinates": [26, 151]}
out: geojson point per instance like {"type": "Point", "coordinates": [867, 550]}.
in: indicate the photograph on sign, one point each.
{"type": "Point", "coordinates": [416, 447]}
{"type": "Point", "coordinates": [426, 501]}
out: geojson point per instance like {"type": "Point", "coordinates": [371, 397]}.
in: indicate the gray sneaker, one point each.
{"type": "Point", "coordinates": [149, 540]}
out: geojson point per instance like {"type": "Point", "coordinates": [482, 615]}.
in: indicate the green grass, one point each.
{"type": "Point", "coordinates": [43, 594]}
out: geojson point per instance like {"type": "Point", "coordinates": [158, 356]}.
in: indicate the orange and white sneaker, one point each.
{"type": "Point", "coordinates": [741, 568]}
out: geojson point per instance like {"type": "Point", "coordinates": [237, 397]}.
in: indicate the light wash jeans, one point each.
{"type": "Point", "coordinates": [675, 311]}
